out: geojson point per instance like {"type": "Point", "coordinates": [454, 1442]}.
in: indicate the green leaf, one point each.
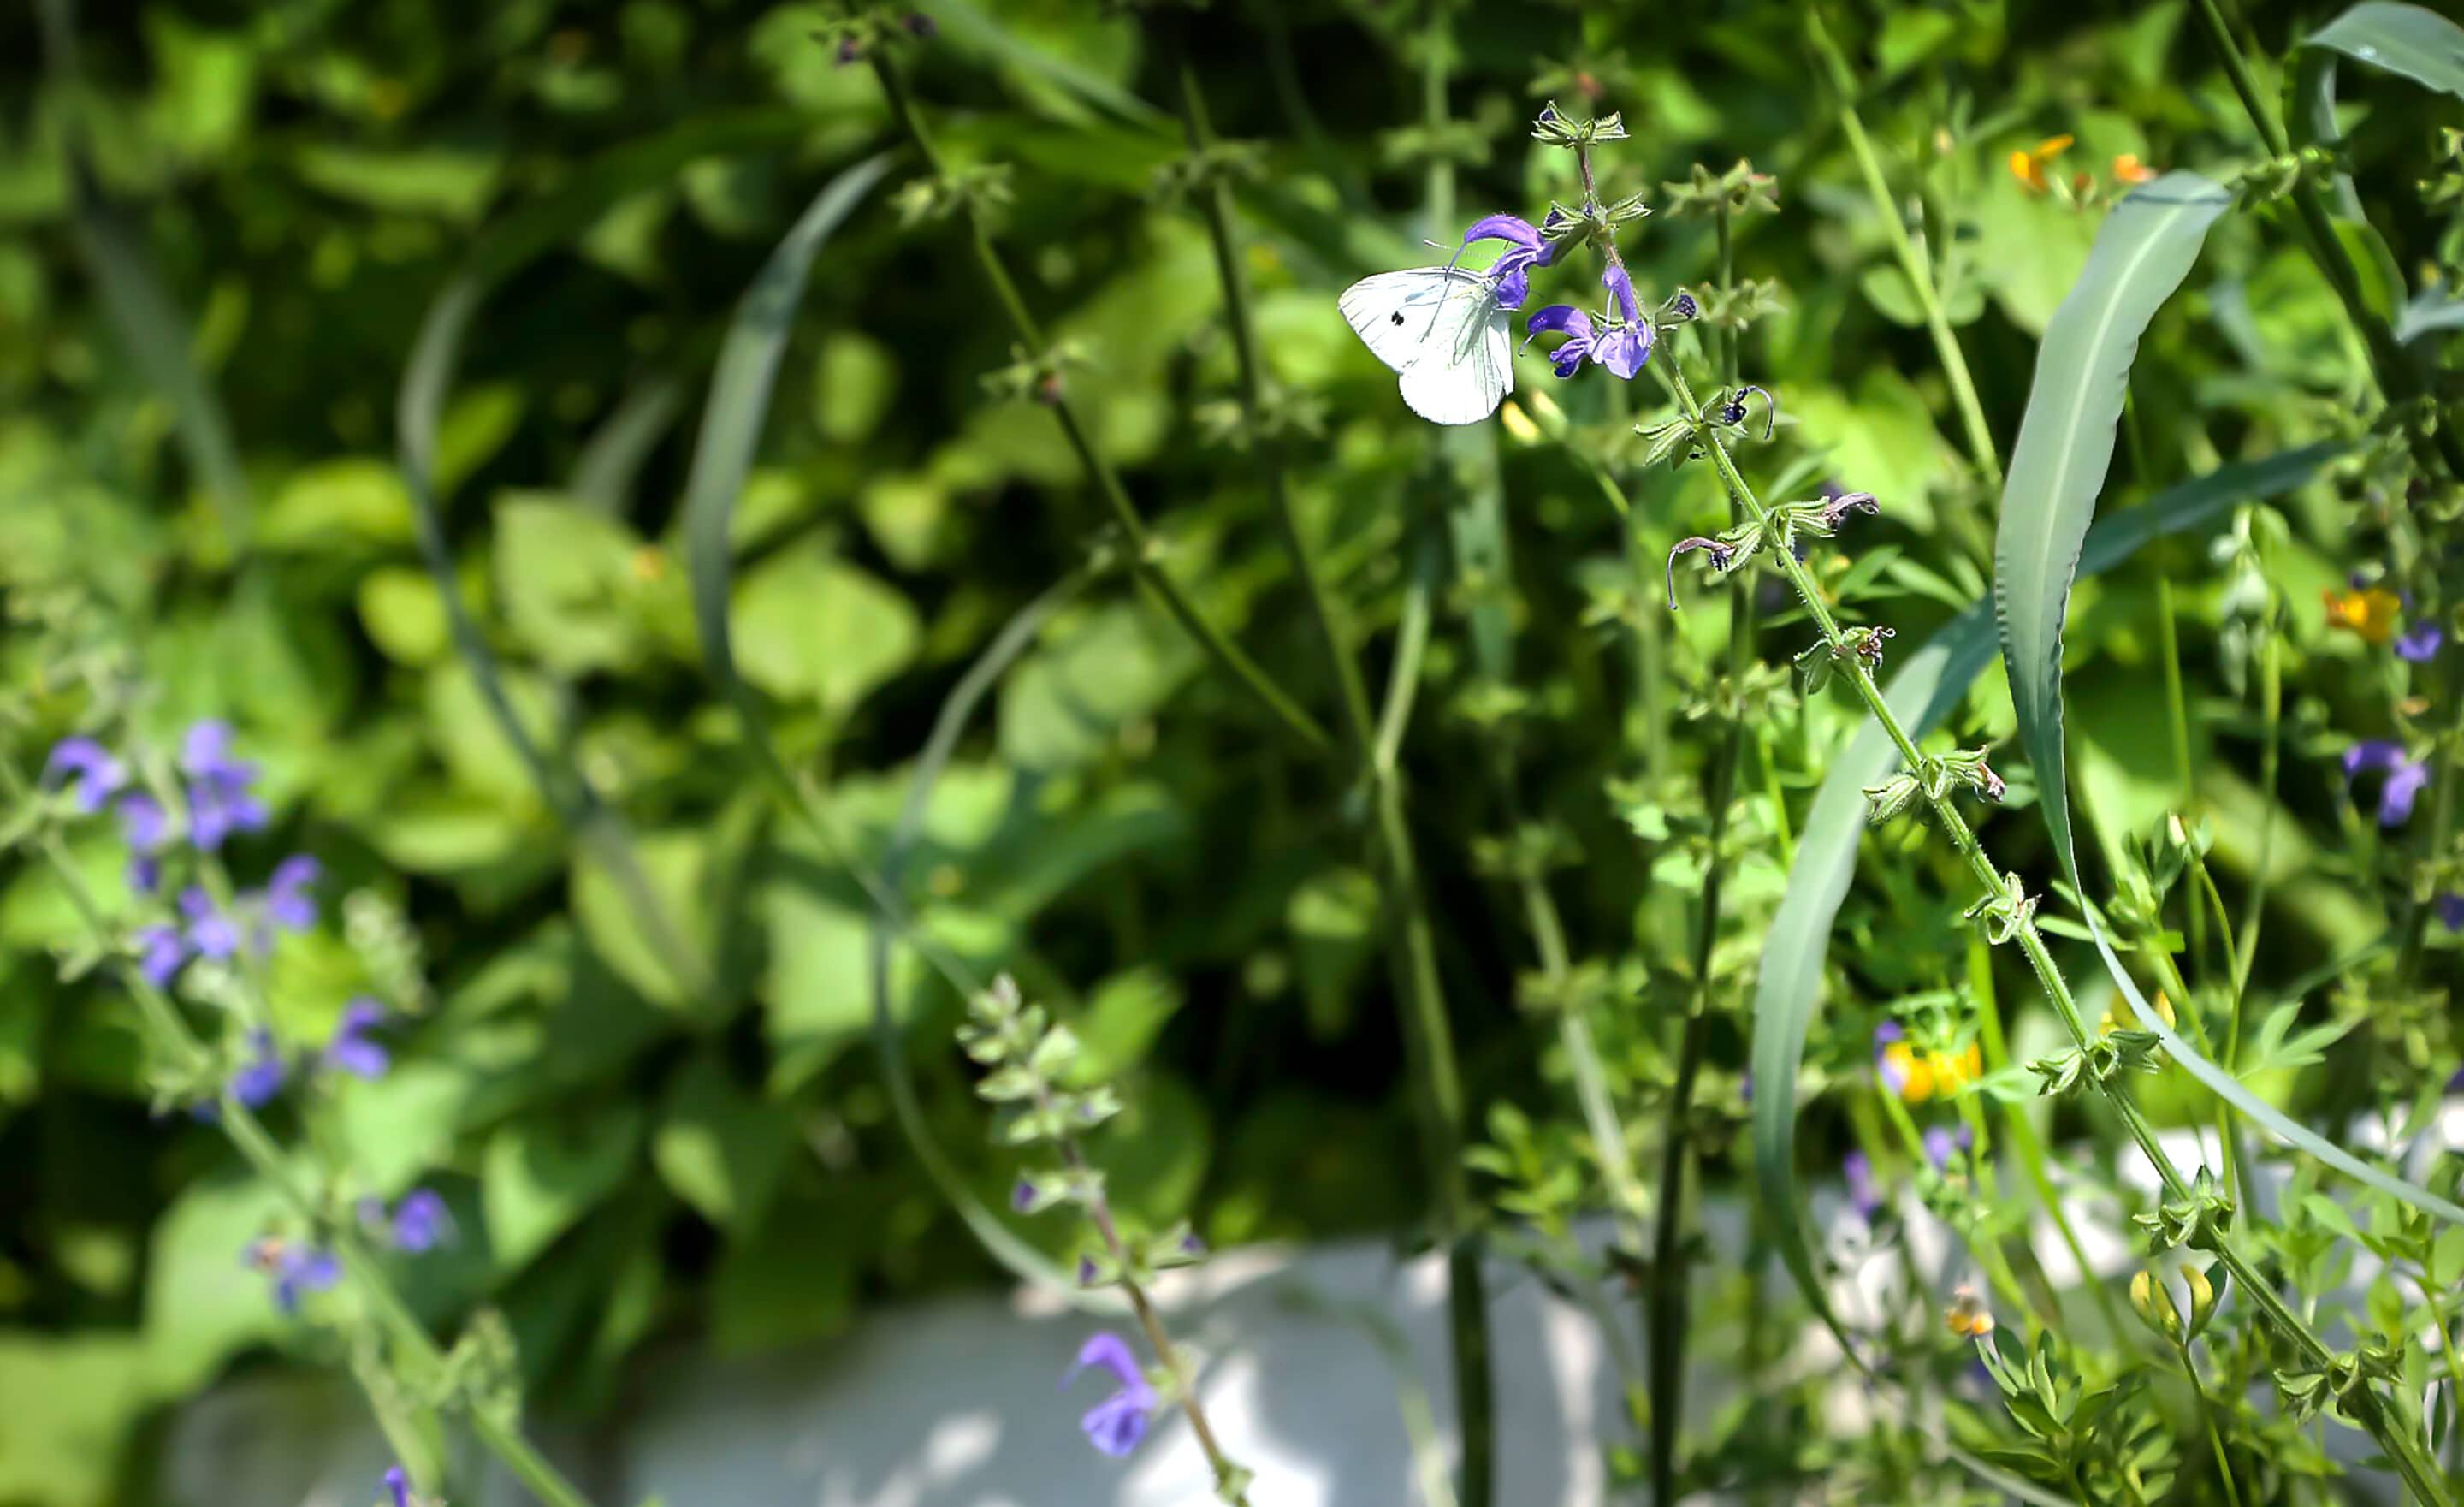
{"type": "Point", "coordinates": [566, 575]}
{"type": "Point", "coordinates": [676, 869]}
{"type": "Point", "coordinates": [540, 1175]}
{"type": "Point", "coordinates": [1070, 698]}
{"type": "Point", "coordinates": [1121, 1022]}
{"type": "Point", "coordinates": [1333, 919]}
{"type": "Point", "coordinates": [2407, 40]}
{"type": "Point", "coordinates": [1929, 686]}
{"type": "Point", "coordinates": [337, 505]}
{"type": "Point", "coordinates": [203, 1304]}
{"type": "Point", "coordinates": [72, 1403]}
{"type": "Point", "coordinates": [720, 1146]}
{"type": "Point", "coordinates": [808, 626]}
{"type": "Point", "coordinates": [2065, 445]}
{"type": "Point", "coordinates": [450, 183]}
{"type": "Point", "coordinates": [793, 1283]}
{"type": "Point", "coordinates": [2059, 466]}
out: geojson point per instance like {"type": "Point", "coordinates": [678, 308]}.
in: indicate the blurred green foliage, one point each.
{"type": "Point", "coordinates": [281, 191]}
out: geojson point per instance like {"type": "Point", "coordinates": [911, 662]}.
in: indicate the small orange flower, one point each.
{"type": "Point", "coordinates": [1920, 1076]}
{"type": "Point", "coordinates": [2029, 166]}
{"type": "Point", "coordinates": [2371, 612]}
{"type": "Point", "coordinates": [2128, 169]}
{"type": "Point", "coordinates": [1968, 1316]}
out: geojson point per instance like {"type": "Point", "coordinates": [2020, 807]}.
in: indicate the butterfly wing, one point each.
{"type": "Point", "coordinates": [1467, 367]}
{"type": "Point", "coordinates": [1441, 329]}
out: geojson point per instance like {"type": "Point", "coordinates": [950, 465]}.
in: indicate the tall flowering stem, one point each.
{"type": "Point", "coordinates": [171, 1036]}
{"type": "Point", "coordinates": [1411, 938]}
{"type": "Point", "coordinates": [1143, 549]}
{"type": "Point", "coordinates": [2367, 1406]}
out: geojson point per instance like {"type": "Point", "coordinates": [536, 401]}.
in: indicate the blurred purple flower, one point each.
{"type": "Point", "coordinates": [161, 953]}
{"type": "Point", "coordinates": [1864, 1194]}
{"type": "Point", "coordinates": [260, 1078]}
{"type": "Point", "coordinates": [2420, 643]}
{"type": "Point", "coordinates": [1116, 1424]}
{"type": "Point", "coordinates": [2448, 908]}
{"type": "Point", "coordinates": [210, 932]}
{"type": "Point", "coordinates": [1022, 1198]}
{"type": "Point", "coordinates": [219, 800]}
{"type": "Point", "coordinates": [1087, 1271]}
{"type": "Point", "coordinates": [397, 1486]}
{"type": "Point", "coordinates": [287, 904]}
{"type": "Point", "coordinates": [1940, 1145]}
{"type": "Point", "coordinates": [350, 1049]}
{"type": "Point", "coordinates": [94, 772]}
{"type": "Point", "coordinates": [421, 1221]}
{"type": "Point", "coordinates": [2405, 777]}
{"type": "Point", "coordinates": [1889, 1064]}
{"type": "Point", "coordinates": [1512, 273]}
{"type": "Point", "coordinates": [296, 1268]}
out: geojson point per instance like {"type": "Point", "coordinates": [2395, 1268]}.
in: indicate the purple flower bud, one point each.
{"type": "Point", "coordinates": [2405, 777]}
{"type": "Point", "coordinates": [287, 904]}
{"type": "Point", "coordinates": [2420, 644]}
{"type": "Point", "coordinates": [161, 953]}
{"type": "Point", "coordinates": [259, 1077]}
{"type": "Point", "coordinates": [210, 932]}
{"type": "Point", "coordinates": [1087, 1271]}
{"type": "Point", "coordinates": [350, 1049]}
{"type": "Point", "coordinates": [1022, 1198]}
{"type": "Point", "coordinates": [421, 1222]}
{"type": "Point", "coordinates": [2448, 908]}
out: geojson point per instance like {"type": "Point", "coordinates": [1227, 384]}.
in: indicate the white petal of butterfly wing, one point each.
{"type": "Point", "coordinates": [1391, 311]}
{"type": "Point", "coordinates": [1466, 368]}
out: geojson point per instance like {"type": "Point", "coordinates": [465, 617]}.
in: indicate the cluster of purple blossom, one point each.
{"type": "Point", "coordinates": [1620, 341]}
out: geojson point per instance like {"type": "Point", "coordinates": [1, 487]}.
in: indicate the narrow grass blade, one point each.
{"type": "Point", "coordinates": [733, 418]}
{"type": "Point", "coordinates": [609, 462]}
{"type": "Point", "coordinates": [2410, 40]}
{"type": "Point", "coordinates": [2065, 445]}
{"type": "Point", "coordinates": [1928, 686]}
{"type": "Point", "coordinates": [158, 339]}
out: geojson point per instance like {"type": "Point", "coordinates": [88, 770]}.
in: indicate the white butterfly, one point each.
{"type": "Point", "coordinates": [1442, 329]}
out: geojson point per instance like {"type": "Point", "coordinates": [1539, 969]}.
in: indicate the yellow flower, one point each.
{"type": "Point", "coordinates": [1921, 1076]}
{"type": "Point", "coordinates": [1968, 1316]}
{"type": "Point", "coordinates": [1518, 425]}
{"type": "Point", "coordinates": [2119, 1015]}
{"type": "Point", "coordinates": [2128, 169]}
{"type": "Point", "coordinates": [2029, 166]}
{"type": "Point", "coordinates": [2371, 612]}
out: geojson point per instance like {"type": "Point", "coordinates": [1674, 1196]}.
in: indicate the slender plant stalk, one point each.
{"type": "Point", "coordinates": [1668, 1295]}
{"type": "Point", "coordinates": [2364, 1405]}
{"type": "Point", "coordinates": [2400, 379]}
{"type": "Point", "coordinates": [2208, 1418]}
{"type": "Point", "coordinates": [1143, 549]}
{"type": "Point", "coordinates": [1411, 938]}
{"type": "Point", "coordinates": [1913, 262]}
{"type": "Point", "coordinates": [241, 1126]}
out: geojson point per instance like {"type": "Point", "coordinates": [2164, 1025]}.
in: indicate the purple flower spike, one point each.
{"type": "Point", "coordinates": [1116, 1424]}
{"type": "Point", "coordinates": [161, 953]}
{"type": "Point", "coordinates": [2421, 643]}
{"type": "Point", "coordinates": [1565, 319]}
{"type": "Point", "coordinates": [351, 1051]}
{"type": "Point", "coordinates": [398, 1486]}
{"type": "Point", "coordinates": [209, 931]}
{"type": "Point", "coordinates": [287, 904]}
{"type": "Point", "coordinates": [260, 1078]}
{"type": "Point", "coordinates": [2448, 908]}
{"type": "Point", "coordinates": [95, 773]}
{"type": "Point", "coordinates": [1512, 273]}
{"type": "Point", "coordinates": [421, 1222]}
{"type": "Point", "coordinates": [2405, 777]}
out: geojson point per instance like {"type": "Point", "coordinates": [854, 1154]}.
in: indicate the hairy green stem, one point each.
{"type": "Point", "coordinates": [1144, 550]}
{"type": "Point", "coordinates": [2367, 1409]}
{"type": "Point", "coordinates": [1411, 938]}
{"type": "Point", "coordinates": [245, 1132]}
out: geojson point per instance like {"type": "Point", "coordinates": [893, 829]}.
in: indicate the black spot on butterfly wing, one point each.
{"type": "Point", "coordinates": [1395, 318]}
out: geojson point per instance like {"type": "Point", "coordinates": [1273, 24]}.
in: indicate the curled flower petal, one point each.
{"type": "Point", "coordinates": [1721, 555]}
{"type": "Point", "coordinates": [350, 1049]}
{"type": "Point", "coordinates": [1621, 288]}
{"type": "Point", "coordinates": [1116, 1424]}
{"type": "Point", "coordinates": [1565, 319]}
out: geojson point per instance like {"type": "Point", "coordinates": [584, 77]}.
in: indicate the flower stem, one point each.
{"type": "Point", "coordinates": [1411, 938]}
{"type": "Point", "coordinates": [2208, 1417]}
{"type": "Point", "coordinates": [241, 1126]}
{"type": "Point", "coordinates": [2367, 1407]}
{"type": "Point", "coordinates": [1144, 550]}
{"type": "Point", "coordinates": [2399, 378]}
{"type": "Point", "coordinates": [1913, 263]}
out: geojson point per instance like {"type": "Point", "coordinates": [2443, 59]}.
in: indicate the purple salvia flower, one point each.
{"type": "Point", "coordinates": [259, 1078]}
{"type": "Point", "coordinates": [1625, 349]}
{"type": "Point", "coordinates": [350, 1049]}
{"type": "Point", "coordinates": [1116, 1424]}
{"type": "Point", "coordinates": [1940, 1145]}
{"type": "Point", "coordinates": [210, 932]}
{"type": "Point", "coordinates": [2420, 644]}
{"type": "Point", "coordinates": [1022, 1198]}
{"type": "Point", "coordinates": [1886, 1035]}
{"type": "Point", "coordinates": [2448, 908]}
{"type": "Point", "coordinates": [161, 953]}
{"type": "Point", "coordinates": [1839, 505]}
{"type": "Point", "coordinates": [1720, 555]}
{"type": "Point", "coordinates": [2405, 777]}
{"type": "Point", "coordinates": [421, 1222]}
{"type": "Point", "coordinates": [296, 1268]}
{"type": "Point", "coordinates": [1565, 319]}
{"type": "Point", "coordinates": [219, 800]}
{"type": "Point", "coordinates": [144, 822]}
{"type": "Point", "coordinates": [287, 904]}
{"type": "Point", "coordinates": [397, 1486]}
{"type": "Point", "coordinates": [95, 774]}
{"type": "Point", "coordinates": [1512, 273]}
